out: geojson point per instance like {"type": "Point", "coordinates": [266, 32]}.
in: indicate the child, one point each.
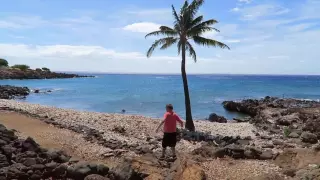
{"type": "Point", "coordinates": [169, 129]}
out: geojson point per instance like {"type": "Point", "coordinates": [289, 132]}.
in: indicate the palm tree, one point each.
{"type": "Point", "coordinates": [187, 26]}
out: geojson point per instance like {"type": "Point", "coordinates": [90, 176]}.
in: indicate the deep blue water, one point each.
{"type": "Point", "coordinates": [148, 94]}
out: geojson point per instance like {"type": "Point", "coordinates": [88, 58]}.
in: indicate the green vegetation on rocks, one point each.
{"type": "Point", "coordinates": [3, 63]}
{"type": "Point", "coordinates": [22, 67]}
{"type": "Point", "coordinates": [45, 69]}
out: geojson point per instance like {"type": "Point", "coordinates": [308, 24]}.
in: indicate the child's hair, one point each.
{"type": "Point", "coordinates": [169, 106]}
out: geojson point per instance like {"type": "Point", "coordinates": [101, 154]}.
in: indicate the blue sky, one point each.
{"type": "Point", "coordinates": [265, 36]}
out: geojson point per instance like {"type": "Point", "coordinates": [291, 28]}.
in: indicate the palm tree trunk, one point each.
{"type": "Point", "coordinates": [189, 122]}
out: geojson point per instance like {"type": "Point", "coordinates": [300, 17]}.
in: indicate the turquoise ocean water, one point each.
{"type": "Point", "coordinates": [148, 94]}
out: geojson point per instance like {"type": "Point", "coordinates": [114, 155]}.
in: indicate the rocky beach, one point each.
{"type": "Point", "coordinates": [262, 148]}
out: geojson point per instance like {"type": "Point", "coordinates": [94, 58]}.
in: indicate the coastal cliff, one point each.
{"type": "Point", "coordinates": [15, 73]}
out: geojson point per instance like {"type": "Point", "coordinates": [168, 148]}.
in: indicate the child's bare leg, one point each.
{"type": "Point", "coordinates": [163, 152]}
{"type": "Point", "coordinates": [173, 150]}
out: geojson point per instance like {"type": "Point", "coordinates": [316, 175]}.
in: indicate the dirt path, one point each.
{"type": "Point", "coordinates": [49, 136]}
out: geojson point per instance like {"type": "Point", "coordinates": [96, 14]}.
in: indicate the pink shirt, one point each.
{"type": "Point", "coordinates": [170, 122]}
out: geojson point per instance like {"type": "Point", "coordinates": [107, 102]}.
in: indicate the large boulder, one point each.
{"type": "Point", "coordinates": [313, 125]}
{"type": "Point", "coordinates": [288, 119]}
{"type": "Point", "coordinates": [3, 161]}
{"type": "Point", "coordinates": [309, 138]}
{"type": "Point", "coordinates": [208, 151]}
{"type": "Point", "coordinates": [215, 118]}
{"type": "Point", "coordinates": [125, 171]}
{"type": "Point", "coordinates": [186, 169]}
{"type": "Point", "coordinates": [249, 107]}
{"type": "Point", "coordinates": [308, 173]}
{"type": "Point", "coordinates": [30, 145]}
{"type": "Point", "coordinates": [82, 169]}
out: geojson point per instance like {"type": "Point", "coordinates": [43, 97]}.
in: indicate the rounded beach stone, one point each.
{"type": "Point", "coordinates": [309, 138]}
{"type": "Point", "coordinates": [95, 177]}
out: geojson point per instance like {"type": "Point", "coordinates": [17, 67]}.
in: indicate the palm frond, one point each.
{"type": "Point", "coordinates": [194, 7]}
{"type": "Point", "coordinates": [202, 28]}
{"type": "Point", "coordinates": [177, 22]}
{"type": "Point", "coordinates": [209, 42]}
{"type": "Point", "coordinates": [192, 52]}
{"type": "Point", "coordinates": [184, 7]}
{"type": "Point", "coordinates": [196, 21]}
{"type": "Point", "coordinates": [175, 15]}
{"type": "Point", "coordinates": [206, 23]}
{"type": "Point", "coordinates": [199, 31]}
{"type": "Point", "coordinates": [168, 43]}
{"type": "Point", "coordinates": [188, 14]}
{"type": "Point", "coordinates": [166, 28]}
{"type": "Point", "coordinates": [168, 32]}
{"type": "Point", "coordinates": [156, 44]}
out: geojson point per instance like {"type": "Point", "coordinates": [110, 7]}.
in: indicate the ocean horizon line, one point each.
{"type": "Point", "coordinates": [170, 74]}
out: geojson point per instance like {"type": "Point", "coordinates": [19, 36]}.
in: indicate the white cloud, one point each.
{"type": "Point", "coordinates": [233, 41]}
{"type": "Point", "coordinates": [301, 27]}
{"type": "Point", "coordinates": [150, 12]}
{"type": "Point", "coordinates": [100, 59]}
{"type": "Point", "coordinates": [279, 57]}
{"type": "Point", "coordinates": [260, 11]}
{"type": "Point", "coordinates": [23, 21]}
{"type": "Point", "coordinates": [9, 25]}
{"type": "Point", "coordinates": [236, 9]}
{"type": "Point", "coordinates": [245, 1]}
{"type": "Point", "coordinates": [143, 27]}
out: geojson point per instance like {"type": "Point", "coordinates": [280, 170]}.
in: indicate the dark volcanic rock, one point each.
{"type": "Point", "coordinates": [30, 145]}
{"type": "Point", "coordinates": [3, 161]}
{"type": "Point", "coordinates": [252, 106]}
{"type": "Point", "coordinates": [313, 125]}
{"type": "Point", "coordinates": [208, 151]}
{"type": "Point", "coordinates": [309, 138]}
{"type": "Point", "coordinates": [26, 160]}
{"type": "Point", "coordinates": [124, 171]}
{"type": "Point", "coordinates": [215, 118]}
{"type": "Point", "coordinates": [249, 107]}
{"type": "Point", "coordinates": [12, 73]}
{"type": "Point", "coordinates": [10, 92]}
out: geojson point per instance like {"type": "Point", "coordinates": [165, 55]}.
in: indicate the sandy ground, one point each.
{"type": "Point", "coordinates": [49, 136]}
{"type": "Point", "coordinates": [230, 169]}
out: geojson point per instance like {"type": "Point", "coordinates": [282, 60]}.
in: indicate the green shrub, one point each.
{"type": "Point", "coordinates": [286, 131]}
{"type": "Point", "coordinates": [38, 69]}
{"type": "Point", "coordinates": [45, 69]}
{"type": "Point", "coordinates": [22, 67]}
{"type": "Point", "coordinates": [3, 62]}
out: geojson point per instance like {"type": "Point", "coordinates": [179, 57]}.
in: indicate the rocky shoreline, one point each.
{"type": "Point", "coordinates": [291, 118]}
{"type": "Point", "coordinates": [13, 73]}
{"type": "Point", "coordinates": [11, 92]}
